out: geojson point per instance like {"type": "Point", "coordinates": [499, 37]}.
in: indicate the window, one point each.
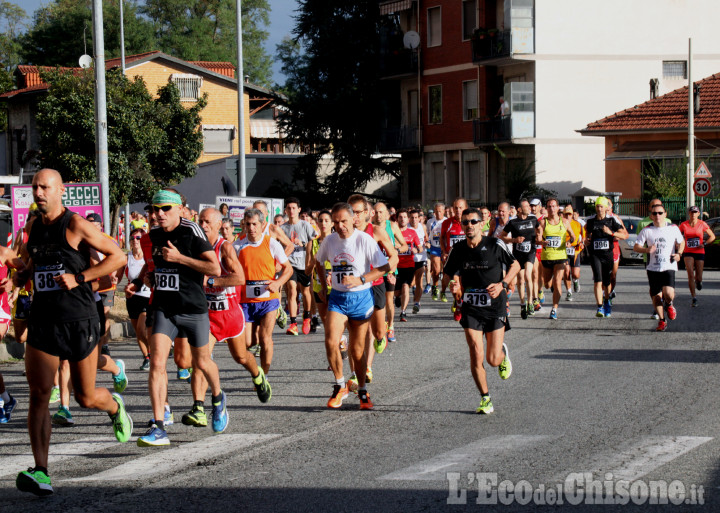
{"type": "Point", "coordinates": [435, 103]}
{"type": "Point", "coordinates": [413, 107]}
{"type": "Point", "coordinates": [218, 138]}
{"type": "Point", "coordinates": [469, 10]}
{"type": "Point", "coordinates": [434, 29]}
{"type": "Point", "coordinates": [470, 100]}
{"type": "Point", "coordinates": [189, 86]}
{"type": "Point", "coordinates": [674, 69]}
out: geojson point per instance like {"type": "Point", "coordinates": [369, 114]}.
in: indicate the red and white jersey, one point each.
{"type": "Point", "coordinates": [221, 298]}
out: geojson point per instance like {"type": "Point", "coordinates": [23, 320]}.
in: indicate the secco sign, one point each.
{"type": "Point", "coordinates": [81, 198]}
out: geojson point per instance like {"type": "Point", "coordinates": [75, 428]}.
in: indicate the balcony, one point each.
{"type": "Point", "coordinates": [492, 131]}
{"type": "Point", "coordinates": [399, 139]}
{"type": "Point", "coordinates": [398, 63]}
{"type": "Point", "coordinates": [518, 124]}
{"type": "Point", "coordinates": [491, 45]}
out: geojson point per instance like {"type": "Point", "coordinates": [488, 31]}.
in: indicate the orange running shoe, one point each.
{"type": "Point", "coordinates": [365, 402]}
{"type": "Point", "coordinates": [292, 329]}
{"type": "Point", "coordinates": [306, 326]}
{"type": "Point", "coordinates": [339, 393]}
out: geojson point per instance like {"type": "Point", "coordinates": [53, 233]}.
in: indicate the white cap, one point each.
{"type": "Point", "coordinates": [535, 201]}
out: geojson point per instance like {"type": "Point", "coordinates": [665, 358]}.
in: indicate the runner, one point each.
{"type": "Point", "coordinates": [63, 320]}
{"type": "Point", "coordinates": [258, 254]}
{"type": "Point", "coordinates": [476, 265]}
{"type": "Point", "coordinates": [325, 228]}
{"type": "Point", "coordinates": [420, 258]}
{"type": "Point", "coordinates": [520, 232]}
{"type": "Point", "coordinates": [665, 245]}
{"type": "Point", "coordinates": [646, 221]}
{"type": "Point", "coordinates": [8, 259]}
{"type": "Point", "coordinates": [227, 230]}
{"type": "Point", "coordinates": [616, 253]}
{"type": "Point", "coordinates": [574, 250]}
{"type": "Point", "coordinates": [138, 297]}
{"type": "Point", "coordinates": [539, 296]}
{"type": "Point", "coordinates": [182, 257]}
{"type": "Point", "coordinates": [450, 234]}
{"type": "Point", "coordinates": [599, 233]}
{"type": "Point", "coordinates": [301, 233]}
{"type": "Point", "coordinates": [553, 232]}
{"type": "Point", "coordinates": [434, 227]}
{"type": "Point", "coordinates": [406, 263]}
{"type": "Point", "coordinates": [22, 296]}
{"type": "Point", "coordinates": [356, 262]}
{"type": "Point", "coordinates": [694, 231]}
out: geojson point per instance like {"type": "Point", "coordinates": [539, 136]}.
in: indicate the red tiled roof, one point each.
{"type": "Point", "coordinates": [113, 63]}
{"type": "Point", "coordinates": [666, 112]}
{"type": "Point", "coordinates": [37, 87]}
{"type": "Point", "coordinates": [221, 68]}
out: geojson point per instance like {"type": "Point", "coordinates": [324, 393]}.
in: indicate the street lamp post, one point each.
{"type": "Point", "coordinates": [242, 183]}
{"type": "Point", "coordinates": [101, 144]}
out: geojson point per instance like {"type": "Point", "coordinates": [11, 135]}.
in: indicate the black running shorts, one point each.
{"type": "Point", "coordinates": [72, 341]}
{"type": "Point", "coordinates": [379, 299]}
{"type": "Point", "coordinates": [660, 279]}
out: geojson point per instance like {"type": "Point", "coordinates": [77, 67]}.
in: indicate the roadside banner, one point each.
{"type": "Point", "coordinates": [81, 198]}
{"type": "Point", "coordinates": [237, 205]}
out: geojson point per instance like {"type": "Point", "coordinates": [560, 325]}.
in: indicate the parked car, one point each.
{"type": "Point", "coordinates": [712, 252]}
{"type": "Point", "coordinates": [627, 255]}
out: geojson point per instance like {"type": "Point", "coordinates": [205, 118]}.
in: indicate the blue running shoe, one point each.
{"type": "Point", "coordinates": [183, 374]}
{"type": "Point", "coordinates": [427, 290]}
{"type": "Point", "coordinates": [120, 381]}
{"type": "Point", "coordinates": [155, 437]}
{"type": "Point", "coordinates": [553, 314]}
{"type": "Point", "coordinates": [220, 414]}
{"type": "Point", "coordinates": [7, 409]}
{"type": "Point", "coordinates": [169, 419]}
{"type": "Point", "coordinates": [600, 312]}
{"type": "Point", "coordinates": [608, 308]}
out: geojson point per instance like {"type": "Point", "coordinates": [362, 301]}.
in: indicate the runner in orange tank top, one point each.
{"type": "Point", "coordinates": [694, 231]}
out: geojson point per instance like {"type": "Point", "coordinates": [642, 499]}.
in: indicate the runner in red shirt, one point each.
{"type": "Point", "coordinates": [451, 233]}
{"type": "Point", "coordinates": [406, 263]}
{"type": "Point", "coordinates": [694, 231]}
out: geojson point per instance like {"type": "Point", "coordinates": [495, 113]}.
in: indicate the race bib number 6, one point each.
{"type": "Point", "coordinates": [257, 289]}
{"type": "Point", "coordinates": [45, 279]}
{"type": "Point", "coordinates": [169, 282]}
{"type": "Point", "coordinates": [478, 298]}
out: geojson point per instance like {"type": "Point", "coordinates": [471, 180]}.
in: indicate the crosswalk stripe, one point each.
{"type": "Point", "coordinates": [638, 459]}
{"type": "Point", "coordinates": [59, 452]}
{"type": "Point", "coordinates": [163, 461]}
{"type": "Point", "coordinates": [463, 458]}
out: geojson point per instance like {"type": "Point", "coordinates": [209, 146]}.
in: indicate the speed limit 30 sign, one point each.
{"type": "Point", "coordinates": [702, 186]}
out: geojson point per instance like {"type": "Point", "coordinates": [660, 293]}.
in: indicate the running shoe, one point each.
{"type": "Point", "coordinates": [608, 308]}
{"type": "Point", "coordinates": [263, 389]}
{"type": "Point", "coordinates": [427, 289]}
{"type": "Point", "coordinates": [368, 375]}
{"type": "Point", "coordinates": [672, 313]}
{"type": "Point", "coordinates": [306, 326]}
{"type": "Point", "coordinates": [62, 417]}
{"type": "Point", "coordinates": [600, 311]}
{"type": "Point", "coordinates": [505, 367]}
{"type": "Point", "coordinates": [397, 301]}
{"type": "Point", "coordinates": [122, 422]}
{"type": "Point", "coordinates": [282, 318]}
{"type": "Point", "coordinates": [34, 481]}
{"type": "Point", "coordinates": [120, 381]}
{"type": "Point", "coordinates": [530, 310]}
{"type": "Point", "coordinates": [195, 417]}
{"type": "Point", "coordinates": [568, 296]}
{"type": "Point", "coordinates": [443, 297]}
{"type": "Point", "coordinates": [435, 293]}
{"type": "Point", "coordinates": [352, 384]}
{"type": "Point", "coordinates": [255, 350]}
{"type": "Point", "coordinates": [6, 410]}
{"type": "Point", "coordinates": [524, 311]}
{"type": "Point", "coordinates": [536, 305]}
{"type": "Point", "coordinates": [365, 402]}
{"type": "Point", "coordinates": [698, 285]}
{"type": "Point", "coordinates": [403, 317]}
{"type": "Point", "coordinates": [457, 314]}
{"type": "Point", "coordinates": [662, 325]}
{"type": "Point", "coordinates": [292, 329]}
{"type": "Point", "coordinates": [576, 286]}
{"type": "Point", "coordinates": [379, 345]}
{"type": "Point", "coordinates": [391, 334]}
{"type": "Point", "coordinates": [612, 295]}
{"type": "Point", "coordinates": [336, 399]}
{"type": "Point", "coordinates": [145, 364]}
{"type": "Point", "coordinates": [343, 347]}
{"type": "Point", "coordinates": [486, 406]}
{"type": "Point", "coordinates": [654, 315]}
{"type": "Point", "coordinates": [314, 323]}
{"type": "Point", "coordinates": [183, 374]}
{"type": "Point", "coordinates": [541, 297]}
{"type": "Point", "coordinates": [55, 395]}
{"type": "Point", "coordinates": [553, 314]}
{"type": "Point", "coordinates": [154, 437]}
{"type": "Point", "coordinates": [416, 308]}
{"type": "Point", "coordinates": [220, 416]}
{"type": "Point", "coordinates": [168, 417]}
{"type": "Point", "coordinates": [105, 350]}
{"type": "Point", "coordinates": [694, 301]}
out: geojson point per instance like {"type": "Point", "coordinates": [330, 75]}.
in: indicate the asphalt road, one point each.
{"type": "Point", "coordinates": [604, 400]}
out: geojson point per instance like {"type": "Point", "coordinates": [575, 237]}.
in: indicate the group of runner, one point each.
{"type": "Point", "coordinates": [189, 288]}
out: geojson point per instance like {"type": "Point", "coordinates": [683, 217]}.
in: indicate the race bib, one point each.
{"type": "Point", "coordinates": [601, 244]}
{"type": "Point", "coordinates": [454, 239]}
{"type": "Point", "coordinates": [524, 246]}
{"type": "Point", "coordinates": [553, 242]}
{"type": "Point", "coordinates": [405, 253]}
{"type": "Point", "coordinates": [44, 277]}
{"type": "Point", "coordinates": [217, 302]}
{"type": "Point", "coordinates": [340, 271]}
{"type": "Point", "coordinates": [257, 289]}
{"type": "Point", "coordinates": [436, 241]}
{"type": "Point", "coordinates": [475, 297]}
{"type": "Point", "coordinates": [167, 281]}
{"type": "Point", "coordinates": [693, 242]}
{"type": "Point", "coordinates": [570, 250]}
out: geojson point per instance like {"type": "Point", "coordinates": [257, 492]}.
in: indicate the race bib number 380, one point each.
{"type": "Point", "coordinates": [167, 281]}
{"type": "Point", "coordinates": [45, 277]}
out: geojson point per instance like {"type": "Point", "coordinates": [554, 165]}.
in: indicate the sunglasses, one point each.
{"type": "Point", "coordinates": [658, 213]}
{"type": "Point", "coordinates": [164, 208]}
{"type": "Point", "coordinates": [471, 221]}
{"type": "Point", "coordinates": [137, 237]}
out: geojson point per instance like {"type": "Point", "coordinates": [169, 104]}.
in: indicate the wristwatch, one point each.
{"type": "Point", "coordinates": [504, 285]}
{"type": "Point", "coordinates": [80, 278]}
{"type": "Point", "coordinates": [362, 280]}
{"type": "Point", "coordinates": [211, 282]}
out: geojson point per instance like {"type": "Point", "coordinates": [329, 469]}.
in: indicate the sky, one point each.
{"type": "Point", "coordinates": [281, 24]}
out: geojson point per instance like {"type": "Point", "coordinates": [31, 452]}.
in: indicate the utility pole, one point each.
{"type": "Point", "coordinates": [242, 180]}
{"type": "Point", "coordinates": [126, 228]}
{"type": "Point", "coordinates": [101, 144]}
{"type": "Point", "coordinates": [691, 132]}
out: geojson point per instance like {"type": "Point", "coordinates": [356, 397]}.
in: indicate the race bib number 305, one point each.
{"type": "Point", "coordinates": [476, 297]}
{"type": "Point", "coordinates": [257, 289]}
{"type": "Point", "coordinates": [167, 281]}
{"type": "Point", "coordinates": [45, 278]}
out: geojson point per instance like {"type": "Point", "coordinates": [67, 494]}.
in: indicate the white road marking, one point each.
{"type": "Point", "coordinates": [58, 452]}
{"type": "Point", "coordinates": [463, 458]}
{"type": "Point", "coordinates": [636, 460]}
{"type": "Point", "coordinates": [161, 461]}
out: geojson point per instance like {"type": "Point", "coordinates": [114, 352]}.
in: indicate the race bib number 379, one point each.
{"type": "Point", "coordinates": [479, 298]}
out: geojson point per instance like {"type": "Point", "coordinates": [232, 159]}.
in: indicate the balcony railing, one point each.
{"type": "Point", "coordinates": [399, 138]}
{"type": "Point", "coordinates": [491, 44]}
{"type": "Point", "coordinates": [490, 131]}
{"type": "Point", "coordinates": [399, 62]}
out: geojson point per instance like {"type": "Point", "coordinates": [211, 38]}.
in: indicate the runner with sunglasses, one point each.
{"type": "Point", "coordinates": [694, 230]}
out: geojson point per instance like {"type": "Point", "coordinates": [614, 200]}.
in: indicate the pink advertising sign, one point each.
{"type": "Point", "coordinates": [81, 198]}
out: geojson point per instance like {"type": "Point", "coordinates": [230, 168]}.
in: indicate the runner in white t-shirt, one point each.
{"type": "Point", "coordinates": [665, 245]}
{"type": "Point", "coordinates": [434, 227]}
{"type": "Point", "coordinates": [420, 258]}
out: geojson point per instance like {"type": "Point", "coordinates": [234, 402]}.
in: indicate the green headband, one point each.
{"type": "Point", "coordinates": [602, 201]}
{"type": "Point", "coordinates": [166, 198]}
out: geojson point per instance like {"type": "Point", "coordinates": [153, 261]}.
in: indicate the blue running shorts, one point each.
{"type": "Point", "coordinates": [356, 306]}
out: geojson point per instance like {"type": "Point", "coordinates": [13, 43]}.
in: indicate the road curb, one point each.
{"type": "Point", "coordinates": [121, 330]}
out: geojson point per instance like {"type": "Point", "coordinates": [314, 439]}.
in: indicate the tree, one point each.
{"type": "Point", "coordinates": [152, 143]}
{"type": "Point", "coordinates": [61, 29]}
{"type": "Point", "coordinates": [11, 17]}
{"type": "Point", "coordinates": [204, 30]}
{"type": "Point", "coordinates": [334, 95]}
{"type": "Point", "coordinates": [665, 178]}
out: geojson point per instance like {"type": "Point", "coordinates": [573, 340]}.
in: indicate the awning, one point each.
{"type": "Point", "coordinates": [395, 6]}
{"type": "Point", "coordinates": [265, 129]}
{"type": "Point", "coordinates": [671, 149]}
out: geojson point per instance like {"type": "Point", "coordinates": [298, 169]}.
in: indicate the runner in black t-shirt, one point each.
{"type": "Point", "coordinates": [476, 265]}
{"type": "Point", "coordinates": [520, 232]}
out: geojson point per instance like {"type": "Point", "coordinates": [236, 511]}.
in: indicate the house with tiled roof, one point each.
{"type": "Point", "coordinates": [640, 137]}
{"type": "Point", "coordinates": [193, 78]}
